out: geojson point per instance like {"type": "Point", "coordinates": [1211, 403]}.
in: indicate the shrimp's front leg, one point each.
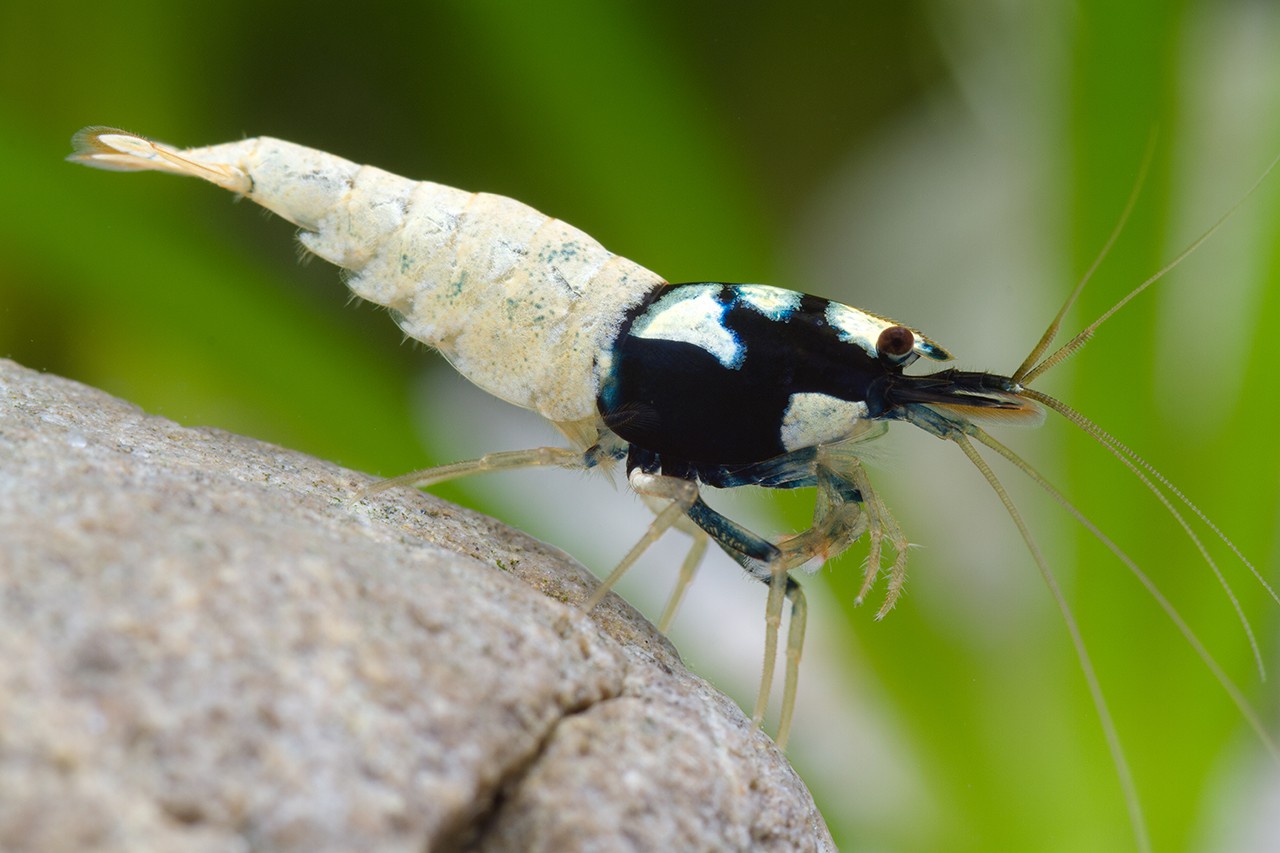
{"type": "Point", "coordinates": [846, 507]}
{"type": "Point", "coordinates": [769, 564]}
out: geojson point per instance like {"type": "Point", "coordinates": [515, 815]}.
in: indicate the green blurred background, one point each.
{"type": "Point", "coordinates": [955, 165]}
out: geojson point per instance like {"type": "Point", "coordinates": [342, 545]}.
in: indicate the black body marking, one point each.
{"type": "Point", "coordinates": [680, 400]}
{"type": "Point", "coordinates": [735, 385]}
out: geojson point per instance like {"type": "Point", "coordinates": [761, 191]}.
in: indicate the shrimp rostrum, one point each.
{"type": "Point", "coordinates": [692, 384]}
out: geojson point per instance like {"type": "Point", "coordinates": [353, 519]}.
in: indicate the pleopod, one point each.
{"type": "Point", "coordinates": [686, 384]}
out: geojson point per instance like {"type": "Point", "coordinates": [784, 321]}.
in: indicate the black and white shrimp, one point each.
{"type": "Point", "coordinates": [704, 383]}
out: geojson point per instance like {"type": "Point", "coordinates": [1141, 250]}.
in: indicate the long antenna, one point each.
{"type": "Point", "coordinates": [1136, 819]}
{"type": "Point", "coordinates": [1134, 463]}
{"type": "Point", "coordinates": [1052, 332]}
{"type": "Point", "coordinates": [1072, 346]}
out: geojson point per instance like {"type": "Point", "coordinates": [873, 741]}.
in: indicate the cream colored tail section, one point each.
{"type": "Point", "coordinates": [522, 304]}
{"type": "Point", "coordinates": [120, 151]}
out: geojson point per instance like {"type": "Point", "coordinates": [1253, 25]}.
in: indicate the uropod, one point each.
{"type": "Point", "coordinates": [704, 383]}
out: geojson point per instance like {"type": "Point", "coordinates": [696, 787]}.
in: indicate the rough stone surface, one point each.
{"type": "Point", "coordinates": [203, 646]}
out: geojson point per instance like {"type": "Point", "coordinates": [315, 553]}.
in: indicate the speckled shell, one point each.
{"type": "Point", "coordinates": [520, 303]}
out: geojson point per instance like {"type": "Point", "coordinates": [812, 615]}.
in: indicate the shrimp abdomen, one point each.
{"type": "Point", "coordinates": [520, 303]}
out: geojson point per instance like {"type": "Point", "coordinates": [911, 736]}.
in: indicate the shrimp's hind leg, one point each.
{"type": "Point", "coordinates": [678, 494]}
{"type": "Point", "coordinates": [669, 497]}
{"type": "Point", "coordinates": [562, 457]}
{"type": "Point", "coordinates": [688, 568]}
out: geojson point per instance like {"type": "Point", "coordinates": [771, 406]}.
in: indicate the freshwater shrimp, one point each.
{"type": "Point", "coordinates": [701, 383]}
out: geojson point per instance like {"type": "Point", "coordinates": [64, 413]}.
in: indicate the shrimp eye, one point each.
{"type": "Point", "coordinates": [896, 345]}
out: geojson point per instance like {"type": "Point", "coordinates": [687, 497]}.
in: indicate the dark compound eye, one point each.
{"type": "Point", "coordinates": [896, 344]}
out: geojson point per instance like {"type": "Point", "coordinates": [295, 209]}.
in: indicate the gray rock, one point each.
{"type": "Point", "coordinates": [204, 647]}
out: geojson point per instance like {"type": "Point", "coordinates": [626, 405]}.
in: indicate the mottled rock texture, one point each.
{"type": "Point", "coordinates": [203, 646]}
